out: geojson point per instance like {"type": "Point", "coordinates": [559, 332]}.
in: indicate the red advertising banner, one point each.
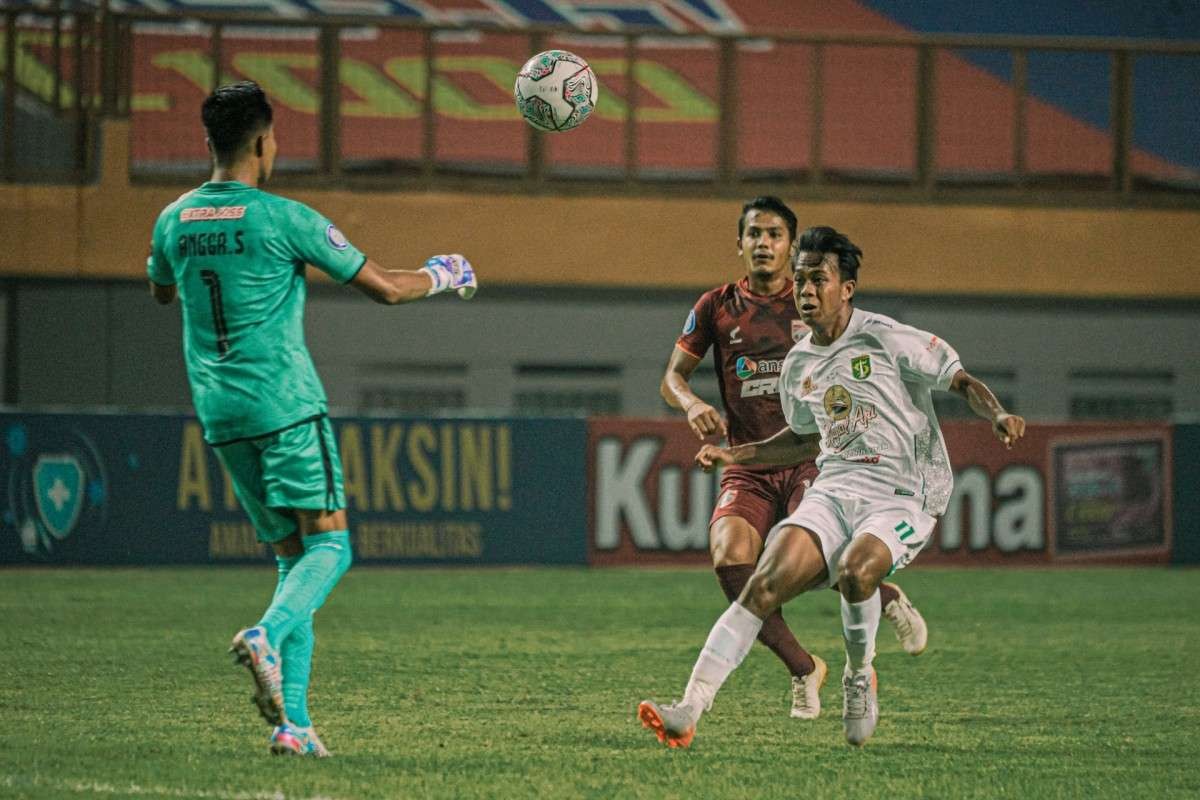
{"type": "Point", "coordinates": [1091, 493]}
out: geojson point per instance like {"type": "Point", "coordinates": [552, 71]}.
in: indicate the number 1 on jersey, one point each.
{"type": "Point", "coordinates": [213, 282]}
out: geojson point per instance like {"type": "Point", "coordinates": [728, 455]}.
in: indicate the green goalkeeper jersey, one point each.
{"type": "Point", "coordinates": [237, 256]}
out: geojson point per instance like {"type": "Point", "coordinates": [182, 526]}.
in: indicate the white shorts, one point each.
{"type": "Point", "coordinates": [898, 522]}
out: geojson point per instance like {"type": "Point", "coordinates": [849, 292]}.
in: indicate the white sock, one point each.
{"type": "Point", "coordinates": [860, 623]}
{"type": "Point", "coordinates": [728, 642]}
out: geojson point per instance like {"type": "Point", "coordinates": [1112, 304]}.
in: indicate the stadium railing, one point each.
{"type": "Point", "coordinates": [390, 102]}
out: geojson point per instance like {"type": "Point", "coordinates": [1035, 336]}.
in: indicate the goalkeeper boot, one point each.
{"type": "Point", "coordinates": [674, 725]}
{"type": "Point", "coordinates": [253, 651]}
{"type": "Point", "coordinates": [806, 691]}
{"type": "Point", "coordinates": [292, 740]}
{"type": "Point", "coordinates": [908, 622]}
{"type": "Point", "coordinates": [860, 707]}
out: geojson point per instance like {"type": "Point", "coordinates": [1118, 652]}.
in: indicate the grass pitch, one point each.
{"type": "Point", "coordinates": [524, 683]}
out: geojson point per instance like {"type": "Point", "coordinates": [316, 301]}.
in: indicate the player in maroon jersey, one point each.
{"type": "Point", "coordinates": [750, 326]}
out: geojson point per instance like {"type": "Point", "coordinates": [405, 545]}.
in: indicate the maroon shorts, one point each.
{"type": "Point", "coordinates": [762, 498]}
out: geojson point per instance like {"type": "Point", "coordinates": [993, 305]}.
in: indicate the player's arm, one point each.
{"type": "Point", "coordinates": [676, 390]}
{"type": "Point", "coordinates": [1007, 427]}
{"type": "Point", "coordinates": [163, 295]}
{"type": "Point", "coordinates": [785, 447]}
{"type": "Point", "coordinates": [395, 286]}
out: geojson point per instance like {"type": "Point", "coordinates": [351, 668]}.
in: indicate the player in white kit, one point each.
{"type": "Point", "coordinates": [856, 394]}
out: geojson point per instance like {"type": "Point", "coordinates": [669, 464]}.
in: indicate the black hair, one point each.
{"type": "Point", "coordinates": [824, 239]}
{"type": "Point", "coordinates": [773, 204]}
{"type": "Point", "coordinates": [232, 116]}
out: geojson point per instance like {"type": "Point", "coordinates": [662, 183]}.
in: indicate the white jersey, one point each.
{"type": "Point", "coordinates": [868, 396]}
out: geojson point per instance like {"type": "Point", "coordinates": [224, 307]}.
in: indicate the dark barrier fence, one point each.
{"type": "Point", "coordinates": [1187, 494]}
{"type": "Point", "coordinates": [146, 489]}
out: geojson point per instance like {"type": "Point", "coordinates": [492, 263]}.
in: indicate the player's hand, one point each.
{"type": "Point", "coordinates": [1008, 429]}
{"type": "Point", "coordinates": [711, 456]}
{"type": "Point", "coordinates": [451, 272]}
{"type": "Point", "coordinates": [705, 421]}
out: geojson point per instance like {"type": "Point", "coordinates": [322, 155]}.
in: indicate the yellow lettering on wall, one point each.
{"type": "Point", "coordinates": [503, 467]}
{"type": "Point", "coordinates": [422, 493]}
{"type": "Point", "coordinates": [354, 467]}
{"type": "Point", "coordinates": [193, 470]}
{"type": "Point", "coordinates": [231, 501]}
{"type": "Point", "coordinates": [380, 97]}
{"type": "Point", "coordinates": [475, 444]}
{"type": "Point", "coordinates": [447, 465]}
{"type": "Point", "coordinates": [233, 540]}
{"type": "Point", "coordinates": [385, 479]}
{"type": "Point", "coordinates": [273, 72]}
{"type": "Point", "coordinates": [194, 66]}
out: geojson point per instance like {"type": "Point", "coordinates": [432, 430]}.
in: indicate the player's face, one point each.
{"type": "Point", "coordinates": [267, 160]}
{"type": "Point", "coordinates": [766, 243]}
{"type": "Point", "coordinates": [820, 292]}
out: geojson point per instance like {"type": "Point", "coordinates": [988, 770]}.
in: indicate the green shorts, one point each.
{"type": "Point", "coordinates": [295, 468]}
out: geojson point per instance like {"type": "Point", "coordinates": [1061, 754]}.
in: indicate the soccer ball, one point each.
{"type": "Point", "coordinates": [555, 90]}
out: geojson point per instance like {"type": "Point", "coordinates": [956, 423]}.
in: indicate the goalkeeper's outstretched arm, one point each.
{"type": "Point", "coordinates": [395, 286]}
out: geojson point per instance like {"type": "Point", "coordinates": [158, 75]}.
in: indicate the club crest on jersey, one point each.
{"type": "Point", "coordinates": [808, 387]}
{"type": "Point", "coordinates": [336, 239]}
{"type": "Point", "coordinates": [727, 498]}
{"type": "Point", "coordinates": [798, 330]}
{"type": "Point", "coordinates": [837, 402]}
{"type": "Point", "coordinates": [860, 367]}
{"type": "Point", "coordinates": [689, 324]}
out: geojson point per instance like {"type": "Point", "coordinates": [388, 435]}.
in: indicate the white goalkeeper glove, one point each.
{"type": "Point", "coordinates": [451, 272]}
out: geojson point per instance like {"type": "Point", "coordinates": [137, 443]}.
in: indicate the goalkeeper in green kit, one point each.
{"type": "Point", "coordinates": [236, 257]}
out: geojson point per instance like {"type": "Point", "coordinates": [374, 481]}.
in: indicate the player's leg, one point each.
{"type": "Point", "coordinates": [303, 474]}
{"type": "Point", "coordinates": [906, 620]}
{"type": "Point", "coordinates": [747, 505]}
{"type": "Point", "coordinates": [736, 546]}
{"type": "Point", "coordinates": [890, 537]}
{"type": "Point", "coordinates": [793, 561]}
{"type": "Point", "coordinates": [251, 646]}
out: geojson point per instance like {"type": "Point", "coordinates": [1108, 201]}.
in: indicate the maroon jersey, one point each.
{"type": "Point", "coordinates": [749, 334]}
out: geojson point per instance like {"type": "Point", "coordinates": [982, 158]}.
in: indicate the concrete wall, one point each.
{"type": "Point", "coordinates": [102, 231]}
{"type": "Point", "coordinates": [108, 343]}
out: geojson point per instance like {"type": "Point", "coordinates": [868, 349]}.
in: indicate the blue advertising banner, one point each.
{"type": "Point", "coordinates": [146, 489]}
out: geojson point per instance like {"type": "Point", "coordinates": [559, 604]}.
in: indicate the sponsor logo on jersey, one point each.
{"type": "Point", "coordinates": [760, 387]}
{"type": "Point", "coordinates": [933, 343]}
{"type": "Point", "coordinates": [689, 324]}
{"type": "Point", "coordinates": [861, 367]}
{"type": "Point", "coordinates": [747, 367]}
{"type": "Point", "coordinates": [727, 498]}
{"type": "Point", "coordinates": [336, 239]}
{"type": "Point", "coordinates": [798, 330]}
{"type": "Point", "coordinates": [208, 213]}
{"type": "Point", "coordinates": [837, 402]}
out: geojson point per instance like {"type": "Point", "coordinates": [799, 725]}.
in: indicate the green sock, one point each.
{"type": "Point", "coordinates": [296, 655]}
{"type": "Point", "coordinates": [326, 558]}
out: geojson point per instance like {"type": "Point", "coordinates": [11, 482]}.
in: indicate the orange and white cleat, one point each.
{"type": "Point", "coordinates": [674, 725]}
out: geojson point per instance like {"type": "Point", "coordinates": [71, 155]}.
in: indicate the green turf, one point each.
{"type": "Point", "coordinates": [523, 683]}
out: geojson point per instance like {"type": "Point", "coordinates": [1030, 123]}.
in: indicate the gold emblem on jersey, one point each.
{"type": "Point", "coordinates": [837, 402]}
